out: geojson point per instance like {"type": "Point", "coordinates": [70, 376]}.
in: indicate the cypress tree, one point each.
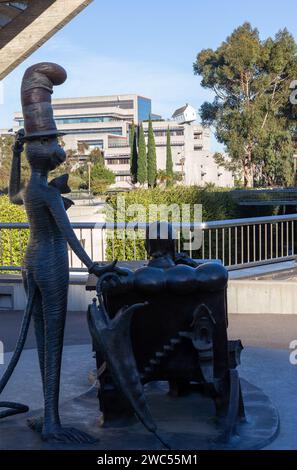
{"type": "Point", "coordinates": [142, 162]}
{"type": "Point", "coordinates": [133, 153]}
{"type": "Point", "coordinates": [169, 163]}
{"type": "Point", "coordinates": [151, 157]}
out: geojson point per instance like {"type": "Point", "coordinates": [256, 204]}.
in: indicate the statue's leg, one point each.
{"type": "Point", "coordinates": [36, 424]}
{"type": "Point", "coordinates": [54, 304]}
{"type": "Point", "coordinates": [37, 313]}
{"type": "Point", "coordinates": [39, 333]}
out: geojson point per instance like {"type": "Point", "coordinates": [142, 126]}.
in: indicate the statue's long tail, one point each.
{"type": "Point", "coordinates": [112, 336]}
{"type": "Point", "coordinates": [16, 408]}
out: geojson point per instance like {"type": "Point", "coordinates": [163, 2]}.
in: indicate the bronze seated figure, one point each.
{"type": "Point", "coordinates": [166, 321]}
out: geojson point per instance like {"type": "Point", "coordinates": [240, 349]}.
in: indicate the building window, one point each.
{"type": "Point", "coordinates": [118, 143]}
{"type": "Point", "coordinates": [163, 132]}
{"type": "Point", "coordinates": [82, 120]}
{"type": "Point", "coordinates": [197, 135]}
{"type": "Point", "coordinates": [117, 161]}
{"type": "Point", "coordinates": [92, 144]}
{"type": "Point", "coordinates": [144, 108]}
{"type": "Point", "coordinates": [198, 147]}
{"type": "Point", "coordinates": [173, 144]}
{"type": "Point", "coordinates": [106, 130]}
{"type": "Point", "coordinates": [122, 104]}
{"type": "Point", "coordinates": [123, 178]}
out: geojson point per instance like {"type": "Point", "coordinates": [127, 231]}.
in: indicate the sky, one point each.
{"type": "Point", "coordinates": [146, 47]}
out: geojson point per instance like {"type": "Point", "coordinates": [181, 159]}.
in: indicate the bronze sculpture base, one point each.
{"type": "Point", "coordinates": [184, 423]}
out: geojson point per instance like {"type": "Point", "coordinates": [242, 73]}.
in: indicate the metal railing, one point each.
{"type": "Point", "coordinates": [237, 242]}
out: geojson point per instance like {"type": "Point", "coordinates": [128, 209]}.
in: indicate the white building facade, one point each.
{"type": "Point", "coordinates": [191, 153]}
{"type": "Point", "coordinates": [104, 122]}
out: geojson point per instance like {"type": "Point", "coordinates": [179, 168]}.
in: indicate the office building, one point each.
{"type": "Point", "coordinates": [104, 122]}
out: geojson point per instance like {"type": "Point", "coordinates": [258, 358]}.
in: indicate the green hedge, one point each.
{"type": "Point", "coordinates": [12, 242]}
{"type": "Point", "coordinates": [217, 204]}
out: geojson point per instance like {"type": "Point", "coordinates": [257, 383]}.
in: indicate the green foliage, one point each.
{"type": "Point", "coordinates": [61, 141]}
{"type": "Point", "coordinates": [177, 177]}
{"type": "Point", "coordinates": [96, 156]}
{"type": "Point", "coordinates": [151, 157]}
{"type": "Point", "coordinates": [101, 178]}
{"type": "Point", "coordinates": [251, 112]}
{"type": "Point", "coordinates": [13, 242]}
{"type": "Point", "coordinates": [71, 154]}
{"type": "Point", "coordinates": [133, 153]}
{"type": "Point", "coordinates": [79, 179]}
{"type": "Point", "coordinates": [142, 158]}
{"type": "Point", "coordinates": [82, 148]}
{"type": "Point", "coordinates": [161, 177]}
{"type": "Point", "coordinates": [216, 205]}
{"type": "Point", "coordinates": [76, 182]}
{"type": "Point", "coordinates": [169, 163]}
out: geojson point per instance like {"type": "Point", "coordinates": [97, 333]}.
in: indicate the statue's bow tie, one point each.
{"type": "Point", "coordinates": [61, 183]}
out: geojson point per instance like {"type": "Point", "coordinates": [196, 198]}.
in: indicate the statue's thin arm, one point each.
{"type": "Point", "coordinates": [14, 191]}
{"type": "Point", "coordinates": [58, 212]}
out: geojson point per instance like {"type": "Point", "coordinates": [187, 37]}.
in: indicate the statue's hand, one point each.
{"type": "Point", "coordinates": [19, 141]}
{"type": "Point", "coordinates": [183, 258]}
{"type": "Point", "coordinates": [100, 269]}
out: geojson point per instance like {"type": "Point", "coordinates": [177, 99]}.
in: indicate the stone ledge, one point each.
{"type": "Point", "coordinates": [75, 278]}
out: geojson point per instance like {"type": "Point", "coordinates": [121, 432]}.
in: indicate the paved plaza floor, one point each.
{"type": "Point", "coordinates": [265, 363]}
{"type": "Point", "coordinates": [265, 331]}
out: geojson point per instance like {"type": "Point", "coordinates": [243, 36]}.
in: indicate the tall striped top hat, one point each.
{"type": "Point", "coordinates": [36, 95]}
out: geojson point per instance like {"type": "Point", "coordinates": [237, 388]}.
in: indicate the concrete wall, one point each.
{"type": "Point", "coordinates": [244, 296]}
{"type": "Point", "coordinates": [262, 297]}
{"type": "Point", "coordinates": [32, 28]}
{"type": "Point", "coordinates": [78, 297]}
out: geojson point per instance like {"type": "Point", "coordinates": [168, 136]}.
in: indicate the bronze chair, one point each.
{"type": "Point", "coordinates": [178, 334]}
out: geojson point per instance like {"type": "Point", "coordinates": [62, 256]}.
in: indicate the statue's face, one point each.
{"type": "Point", "coordinates": [45, 153]}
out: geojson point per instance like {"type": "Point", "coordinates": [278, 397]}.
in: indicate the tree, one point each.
{"type": "Point", "coordinates": [96, 156]}
{"type": "Point", "coordinates": [101, 178]}
{"type": "Point", "coordinates": [169, 163]}
{"type": "Point", "coordinates": [71, 154]}
{"type": "Point", "coordinates": [133, 153]}
{"type": "Point", "coordinates": [142, 158]}
{"type": "Point", "coordinates": [162, 177]}
{"type": "Point", "coordinates": [76, 182]}
{"type": "Point", "coordinates": [82, 147]}
{"type": "Point", "coordinates": [151, 157]}
{"type": "Point", "coordinates": [61, 141]}
{"type": "Point", "coordinates": [251, 79]}
{"type": "Point", "coordinates": [177, 177]}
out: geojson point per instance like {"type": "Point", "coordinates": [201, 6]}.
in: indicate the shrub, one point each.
{"type": "Point", "coordinates": [13, 242]}
{"type": "Point", "coordinates": [217, 204]}
{"type": "Point", "coordinates": [76, 182]}
{"type": "Point", "coordinates": [101, 178]}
